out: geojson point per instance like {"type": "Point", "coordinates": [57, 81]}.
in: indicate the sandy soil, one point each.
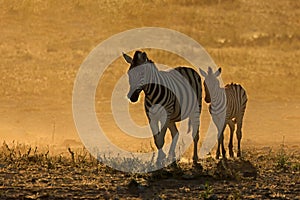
{"type": "Point", "coordinates": [261, 174]}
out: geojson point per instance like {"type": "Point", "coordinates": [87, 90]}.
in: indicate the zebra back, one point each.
{"type": "Point", "coordinates": [236, 100]}
{"type": "Point", "coordinates": [194, 79]}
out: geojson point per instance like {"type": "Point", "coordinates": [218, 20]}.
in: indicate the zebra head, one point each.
{"type": "Point", "coordinates": [211, 82]}
{"type": "Point", "coordinates": [136, 73]}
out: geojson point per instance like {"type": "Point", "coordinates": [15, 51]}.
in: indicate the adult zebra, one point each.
{"type": "Point", "coordinates": [170, 96]}
{"type": "Point", "coordinates": [227, 106]}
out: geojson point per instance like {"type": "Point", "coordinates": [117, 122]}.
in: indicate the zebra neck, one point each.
{"type": "Point", "coordinates": [152, 77]}
{"type": "Point", "coordinates": [218, 101]}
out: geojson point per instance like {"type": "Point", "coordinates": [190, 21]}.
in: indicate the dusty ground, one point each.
{"type": "Point", "coordinates": [43, 43]}
{"type": "Point", "coordinates": [30, 173]}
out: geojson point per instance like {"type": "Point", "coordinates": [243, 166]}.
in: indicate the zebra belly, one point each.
{"type": "Point", "coordinates": [173, 110]}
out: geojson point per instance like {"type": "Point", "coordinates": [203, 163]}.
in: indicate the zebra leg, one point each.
{"type": "Point", "coordinates": [239, 135]}
{"type": "Point", "coordinates": [218, 149]}
{"type": "Point", "coordinates": [195, 133]}
{"type": "Point", "coordinates": [230, 145]}
{"type": "Point", "coordinates": [196, 139]}
{"type": "Point", "coordinates": [221, 143]}
{"type": "Point", "coordinates": [174, 133]}
{"type": "Point", "coordinates": [159, 139]}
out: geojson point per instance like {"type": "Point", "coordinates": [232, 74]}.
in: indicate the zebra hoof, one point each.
{"type": "Point", "coordinates": [195, 159]}
{"type": "Point", "coordinates": [171, 160]}
{"type": "Point", "coordinates": [224, 154]}
{"type": "Point", "coordinates": [161, 163]}
{"type": "Point", "coordinates": [197, 165]}
{"type": "Point", "coordinates": [174, 165]}
{"type": "Point", "coordinates": [161, 159]}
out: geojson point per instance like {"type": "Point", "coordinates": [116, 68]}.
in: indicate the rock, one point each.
{"type": "Point", "coordinates": [213, 197]}
{"type": "Point", "coordinates": [135, 187]}
{"type": "Point", "coordinates": [201, 187]}
{"type": "Point", "coordinates": [106, 195]}
{"type": "Point", "coordinates": [184, 189]}
{"type": "Point", "coordinates": [133, 184]}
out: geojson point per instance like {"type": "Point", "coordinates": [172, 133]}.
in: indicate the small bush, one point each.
{"type": "Point", "coordinates": [282, 158]}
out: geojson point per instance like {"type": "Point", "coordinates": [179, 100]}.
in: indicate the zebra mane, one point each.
{"type": "Point", "coordinates": [151, 64]}
{"type": "Point", "coordinates": [232, 85]}
{"type": "Point", "coordinates": [150, 61]}
{"type": "Point", "coordinates": [209, 70]}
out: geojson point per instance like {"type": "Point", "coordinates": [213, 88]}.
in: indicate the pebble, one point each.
{"type": "Point", "coordinates": [213, 197]}
{"type": "Point", "coordinates": [201, 187]}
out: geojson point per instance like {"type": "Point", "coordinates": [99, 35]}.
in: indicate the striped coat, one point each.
{"type": "Point", "coordinates": [170, 96]}
{"type": "Point", "coordinates": [227, 106]}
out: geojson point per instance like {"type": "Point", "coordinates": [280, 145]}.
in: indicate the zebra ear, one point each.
{"type": "Point", "coordinates": [202, 72]}
{"type": "Point", "coordinates": [127, 58]}
{"type": "Point", "coordinates": [218, 72]}
{"type": "Point", "coordinates": [145, 58]}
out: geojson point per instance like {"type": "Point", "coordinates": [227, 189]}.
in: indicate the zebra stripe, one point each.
{"type": "Point", "coordinates": [169, 83]}
{"type": "Point", "coordinates": [170, 96]}
{"type": "Point", "coordinates": [227, 106]}
{"type": "Point", "coordinates": [236, 101]}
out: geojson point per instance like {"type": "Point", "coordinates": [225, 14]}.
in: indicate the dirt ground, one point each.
{"type": "Point", "coordinates": [42, 45]}
{"type": "Point", "coordinates": [262, 173]}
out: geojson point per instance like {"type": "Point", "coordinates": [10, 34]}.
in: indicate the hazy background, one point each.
{"type": "Point", "coordinates": [43, 43]}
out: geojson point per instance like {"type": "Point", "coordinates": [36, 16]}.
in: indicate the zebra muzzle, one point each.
{"type": "Point", "coordinates": [134, 96]}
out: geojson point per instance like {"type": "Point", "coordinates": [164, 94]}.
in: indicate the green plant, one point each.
{"type": "Point", "coordinates": [282, 158]}
{"type": "Point", "coordinates": [208, 192]}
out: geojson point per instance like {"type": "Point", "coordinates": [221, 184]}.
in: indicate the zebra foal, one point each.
{"type": "Point", "coordinates": [170, 96]}
{"type": "Point", "coordinates": [227, 106]}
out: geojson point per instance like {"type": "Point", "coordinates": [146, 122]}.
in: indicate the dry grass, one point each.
{"type": "Point", "coordinates": [29, 173]}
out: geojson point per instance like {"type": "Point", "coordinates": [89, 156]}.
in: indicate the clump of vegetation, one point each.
{"type": "Point", "coordinates": [282, 158]}
{"type": "Point", "coordinates": [22, 152]}
{"type": "Point", "coordinates": [208, 192]}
